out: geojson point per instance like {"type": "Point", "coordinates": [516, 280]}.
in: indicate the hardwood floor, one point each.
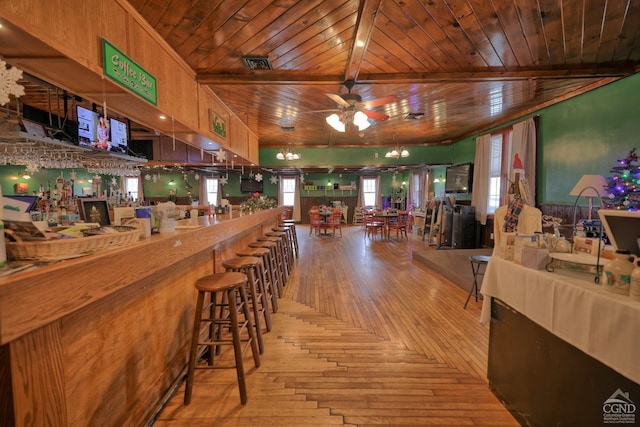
{"type": "Point", "coordinates": [363, 337]}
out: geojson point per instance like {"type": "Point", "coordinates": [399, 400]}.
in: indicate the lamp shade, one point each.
{"type": "Point", "coordinates": [334, 121]}
{"type": "Point", "coordinates": [590, 186]}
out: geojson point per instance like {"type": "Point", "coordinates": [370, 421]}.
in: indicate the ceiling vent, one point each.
{"type": "Point", "coordinates": [413, 116]}
{"type": "Point", "coordinates": [287, 128]}
{"type": "Point", "coordinates": [257, 63]}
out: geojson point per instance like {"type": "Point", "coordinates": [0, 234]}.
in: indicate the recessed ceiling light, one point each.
{"type": "Point", "coordinates": [163, 117]}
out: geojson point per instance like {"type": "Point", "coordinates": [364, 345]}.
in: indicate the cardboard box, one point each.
{"type": "Point", "coordinates": [534, 258]}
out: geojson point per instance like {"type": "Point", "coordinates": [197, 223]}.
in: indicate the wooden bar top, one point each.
{"type": "Point", "coordinates": [32, 299]}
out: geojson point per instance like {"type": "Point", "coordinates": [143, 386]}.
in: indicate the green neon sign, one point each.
{"type": "Point", "coordinates": [122, 70]}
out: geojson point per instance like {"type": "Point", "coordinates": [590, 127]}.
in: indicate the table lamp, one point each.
{"type": "Point", "coordinates": [590, 186]}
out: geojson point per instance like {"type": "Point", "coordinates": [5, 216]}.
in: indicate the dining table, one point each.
{"type": "Point", "coordinates": [386, 216]}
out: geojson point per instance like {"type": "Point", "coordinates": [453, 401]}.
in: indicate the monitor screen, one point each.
{"type": "Point", "coordinates": [622, 229]}
{"type": "Point", "coordinates": [458, 179]}
{"type": "Point", "coordinates": [250, 186]}
{"type": "Point", "coordinates": [118, 136]}
{"type": "Point", "coordinates": [93, 129]}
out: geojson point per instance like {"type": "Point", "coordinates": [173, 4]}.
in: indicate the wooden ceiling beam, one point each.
{"type": "Point", "coordinates": [363, 30]}
{"type": "Point", "coordinates": [400, 78]}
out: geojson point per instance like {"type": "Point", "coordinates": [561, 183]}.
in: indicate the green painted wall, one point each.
{"type": "Point", "coordinates": [586, 135]}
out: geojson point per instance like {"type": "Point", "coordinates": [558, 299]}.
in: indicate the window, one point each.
{"type": "Point", "coordinates": [131, 187]}
{"type": "Point", "coordinates": [288, 188]}
{"type": "Point", "coordinates": [212, 191]}
{"type": "Point", "coordinates": [416, 190]}
{"type": "Point", "coordinates": [369, 191]}
{"type": "Point", "coordinates": [498, 169]}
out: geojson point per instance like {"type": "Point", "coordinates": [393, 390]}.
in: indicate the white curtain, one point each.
{"type": "Point", "coordinates": [410, 197]}
{"type": "Point", "coordinates": [419, 198]}
{"type": "Point", "coordinates": [425, 179]}
{"type": "Point", "coordinates": [523, 144]}
{"type": "Point", "coordinates": [480, 193]}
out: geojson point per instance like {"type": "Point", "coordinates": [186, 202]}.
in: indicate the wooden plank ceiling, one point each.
{"type": "Point", "coordinates": [457, 67]}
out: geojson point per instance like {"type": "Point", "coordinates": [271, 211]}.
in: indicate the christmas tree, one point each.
{"type": "Point", "coordinates": [624, 184]}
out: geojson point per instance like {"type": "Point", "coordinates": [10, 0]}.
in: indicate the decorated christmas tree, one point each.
{"type": "Point", "coordinates": [624, 184]}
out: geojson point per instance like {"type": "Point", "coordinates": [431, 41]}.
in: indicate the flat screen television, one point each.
{"type": "Point", "coordinates": [248, 185]}
{"type": "Point", "coordinates": [459, 179]}
{"type": "Point", "coordinates": [118, 134]}
{"type": "Point", "coordinates": [94, 130]}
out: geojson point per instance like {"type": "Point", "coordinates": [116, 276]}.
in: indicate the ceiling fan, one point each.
{"type": "Point", "coordinates": [351, 109]}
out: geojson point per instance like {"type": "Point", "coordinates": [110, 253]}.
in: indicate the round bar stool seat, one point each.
{"type": "Point", "coordinates": [274, 261]}
{"type": "Point", "coordinates": [232, 313]}
{"type": "Point", "coordinates": [257, 296]}
{"type": "Point", "coordinates": [266, 271]}
{"type": "Point", "coordinates": [478, 266]}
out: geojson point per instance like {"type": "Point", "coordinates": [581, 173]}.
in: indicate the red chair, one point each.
{"type": "Point", "coordinates": [371, 225]}
{"type": "Point", "coordinates": [400, 225]}
{"type": "Point", "coordinates": [335, 222]}
{"type": "Point", "coordinates": [316, 222]}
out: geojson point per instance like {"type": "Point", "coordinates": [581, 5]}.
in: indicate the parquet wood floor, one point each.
{"type": "Point", "coordinates": [364, 337]}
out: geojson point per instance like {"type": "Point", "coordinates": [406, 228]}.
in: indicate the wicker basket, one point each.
{"type": "Point", "coordinates": [69, 248]}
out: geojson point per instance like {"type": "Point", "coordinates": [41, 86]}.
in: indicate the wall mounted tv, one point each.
{"type": "Point", "coordinates": [96, 132]}
{"type": "Point", "coordinates": [459, 179]}
{"type": "Point", "coordinates": [250, 186]}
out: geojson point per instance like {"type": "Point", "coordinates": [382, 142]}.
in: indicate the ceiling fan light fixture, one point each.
{"type": "Point", "coordinates": [360, 119]}
{"type": "Point", "coordinates": [334, 121]}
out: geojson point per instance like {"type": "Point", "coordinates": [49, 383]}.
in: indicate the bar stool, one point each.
{"type": "Point", "coordinates": [290, 238]}
{"type": "Point", "coordinates": [266, 271]}
{"type": "Point", "coordinates": [291, 224]}
{"type": "Point", "coordinates": [287, 245]}
{"type": "Point", "coordinates": [257, 295]}
{"type": "Point", "coordinates": [477, 261]}
{"type": "Point", "coordinates": [274, 261]}
{"type": "Point", "coordinates": [232, 302]}
{"type": "Point", "coordinates": [280, 255]}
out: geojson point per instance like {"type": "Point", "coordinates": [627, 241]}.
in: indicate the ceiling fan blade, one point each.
{"type": "Point", "coordinates": [338, 99]}
{"type": "Point", "coordinates": [375, 115]}
{"type": "Point", "coordinates": [330, 110]}
{"type": "Point", "coordinates": [380, 101]}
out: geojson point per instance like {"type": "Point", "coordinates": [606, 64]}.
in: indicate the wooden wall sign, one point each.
{"type": "Point", "coordinates": [122, 70]}
{"type": "Point", "coordinates": [218, 125]}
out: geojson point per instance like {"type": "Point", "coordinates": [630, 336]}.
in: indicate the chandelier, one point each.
{"type": "Point", "coordinates": [339, 121]}
{"type": "Point", "coordinates": [288, 155]}
{"type": "Point", "coordinates": [396, 153]}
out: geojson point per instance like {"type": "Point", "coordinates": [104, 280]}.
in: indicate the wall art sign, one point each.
{"type": "Point", "coordinates": [218, 125]}
{"type": "Point", "coordinates": [124, 71]}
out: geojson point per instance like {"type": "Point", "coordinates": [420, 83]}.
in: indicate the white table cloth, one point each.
{"type": "Point", "coordinates": [572, 306]}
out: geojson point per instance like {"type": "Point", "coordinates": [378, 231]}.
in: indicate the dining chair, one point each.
{"type": "Point", "coordinates": [400, 224]}
{"type": "Point", "coordinates": [315, 221]}
{"type": "Point", "coordinates": [335, 221]}
{"type": "Point", "coordinates": [371, 225]}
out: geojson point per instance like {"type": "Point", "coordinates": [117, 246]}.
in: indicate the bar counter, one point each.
{"type": "Point", "coordinates": [101, 339]}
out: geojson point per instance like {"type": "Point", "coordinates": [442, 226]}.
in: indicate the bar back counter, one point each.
{"type": "Point", "coordinates": [102, 339]}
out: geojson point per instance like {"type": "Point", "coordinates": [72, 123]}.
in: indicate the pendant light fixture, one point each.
{"type": "Point", "coordinates": [286, 154]}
